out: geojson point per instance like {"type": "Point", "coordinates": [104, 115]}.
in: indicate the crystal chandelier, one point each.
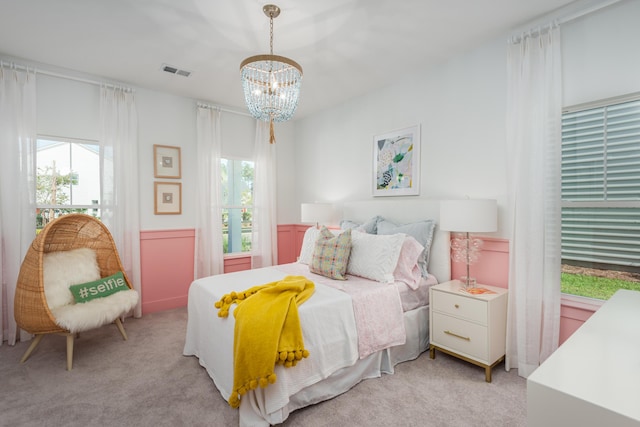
{"type": "Point", "coordinates": [271, 83]}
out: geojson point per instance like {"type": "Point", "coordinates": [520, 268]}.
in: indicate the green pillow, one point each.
{"type": "Point", "coordinates": [100, 288]}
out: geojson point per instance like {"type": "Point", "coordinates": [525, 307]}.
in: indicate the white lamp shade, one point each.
{"type": "Point", "coordinates": [320, 213]}
{"type": "Point", "coordinates": [469, 215]}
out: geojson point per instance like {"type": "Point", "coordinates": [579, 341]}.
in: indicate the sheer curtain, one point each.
{"type": "Point", "coordinates": [17, 185]}
{"type": "Point", "coordinates": [264, 240]}
{"type": "Point", "coordinates": [120, 206]}
{"type": "Point", "coordinates": [209, 258]}
{"type": "Point", "coordinates": [534, 108]}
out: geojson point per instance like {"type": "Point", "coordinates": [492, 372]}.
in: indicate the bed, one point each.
{"type": "Point", "coordinates": [354, 329]}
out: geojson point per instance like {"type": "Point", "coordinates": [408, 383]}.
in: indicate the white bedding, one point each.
{"type": "Point", "coordinates": [326, 318]}
{"type": "Point", "coordinates": [333, 366]}
{"type": "Point", "coordinates": [330, 334]}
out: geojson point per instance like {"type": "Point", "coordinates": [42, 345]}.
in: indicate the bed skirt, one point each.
{"type": "Point", "coordinates": [252, 413]}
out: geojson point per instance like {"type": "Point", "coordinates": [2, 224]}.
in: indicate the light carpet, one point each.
{"type": "Point", "coordinates": [146, 381]}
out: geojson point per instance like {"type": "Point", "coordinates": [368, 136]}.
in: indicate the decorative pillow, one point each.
{"type": "Point", "coordinates": [65, 268]}
{"type": "Point", "coordinates": [99, 288]}
{"type": "Point", "coordinates": [95, 313]}
{"type": "Point", "coordinates": [407, 269]}
{"type": "Point", "coordinates": [369, 226]}
{"type": "Point", "coordinates": [331, 254]}
{"type": "Point", "coordinates": [422, 231]}
{"type": "Point", "coordinates": [309, 244]}
{"type": "Point", "coordinates": [374, 256]}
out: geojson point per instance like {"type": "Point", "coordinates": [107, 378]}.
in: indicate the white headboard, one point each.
{"type": "Point", "coordinates": [402, 211]}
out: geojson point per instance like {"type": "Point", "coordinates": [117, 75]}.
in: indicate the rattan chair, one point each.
{"type": "Point", "coordinates": [65, 233]}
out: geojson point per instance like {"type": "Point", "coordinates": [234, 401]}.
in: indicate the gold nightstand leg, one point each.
{"type": "Point", "coordinates": [487, 368]}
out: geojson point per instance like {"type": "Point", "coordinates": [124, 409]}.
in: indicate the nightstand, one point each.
{"type": "Point", "coordinates": [467, 326]}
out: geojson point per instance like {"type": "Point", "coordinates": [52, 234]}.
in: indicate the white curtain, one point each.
{"type": "Point", "coordinates": [534, 108]}
{"type": "Point", "coordinates": [120, 199]}
{"type": "Point", "coordinates": [209, 258]}
{"type": "Point", "coordinates": [264, 240]}
{"type": "Point", "coordinates": [17, 186]}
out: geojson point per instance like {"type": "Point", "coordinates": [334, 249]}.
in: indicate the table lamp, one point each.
{"type": "Point", "coordinates": [468, 216]}
{"type": "Point", "coordinates": [320, 213]}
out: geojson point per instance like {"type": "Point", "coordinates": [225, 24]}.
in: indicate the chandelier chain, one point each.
{"type": "Point", "coordinates": [271, 33]}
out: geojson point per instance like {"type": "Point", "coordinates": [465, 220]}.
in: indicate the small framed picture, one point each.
{"type": "Point", "coordinates": [168, 198]}
{"type": "Point", "coordinates": [396, 163]}
{"type": "Point", "coordinates": [166, 162]}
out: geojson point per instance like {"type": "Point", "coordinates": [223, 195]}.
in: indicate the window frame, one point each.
{"type": "Point", "coordinates": [92, 209]}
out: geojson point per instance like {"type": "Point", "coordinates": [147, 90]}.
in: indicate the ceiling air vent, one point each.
{"type": "Point", "coordinates": [175, 70]}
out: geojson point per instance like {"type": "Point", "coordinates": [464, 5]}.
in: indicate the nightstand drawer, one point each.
{"type": "Point", "coordinates": [460, 336]}
{"type": "Point", "coordinates": [471, 309]}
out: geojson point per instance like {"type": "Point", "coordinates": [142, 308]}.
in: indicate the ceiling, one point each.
{"type": "Point", "coordinates": [346, 47]}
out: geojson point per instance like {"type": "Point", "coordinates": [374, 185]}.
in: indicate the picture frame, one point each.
{"type": "Point", "coordinates": [168, 198]}
{"type": "Point", "coordinates": [396, 163]}
{"type": "Point", "coordinates": [166, 162]}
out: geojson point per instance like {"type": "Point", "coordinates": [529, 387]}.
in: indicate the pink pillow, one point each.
{"type": "Point", "coordinates": [407, 269]}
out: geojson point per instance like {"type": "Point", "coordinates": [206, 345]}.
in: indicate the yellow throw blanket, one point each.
{"type": "Point", "coordinates": [267, 331]}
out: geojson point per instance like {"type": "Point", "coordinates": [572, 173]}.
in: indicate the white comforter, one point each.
{"type": "Point", "coordinates": [328, 326]}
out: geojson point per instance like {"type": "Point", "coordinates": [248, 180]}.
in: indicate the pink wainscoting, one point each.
{"type": "Point", "coordinates": [237, 263]}
{"type": "Point", "coordinates": [572, 316]}
{"type": "Point", "coordinates": [167, 268]}
{"type": "Point", "coordinates": [492, 268]}
{"type": "Point", "coordinates": [166, 259]}
{"type": "Point", "coordinates": [290, 238]}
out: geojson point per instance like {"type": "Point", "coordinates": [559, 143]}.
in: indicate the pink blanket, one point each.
{"type": "Point", "coordinates": [377, 308]}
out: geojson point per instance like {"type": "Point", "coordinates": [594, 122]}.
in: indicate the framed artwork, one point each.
{"type": "Point", "coordinates": [396, 163]}
{"type": "Point", "coordinates": [168, 198]}
{"type": "Point", "coordinates": [166, 162]}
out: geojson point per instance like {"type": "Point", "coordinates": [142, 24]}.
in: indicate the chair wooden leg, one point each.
{"type": "Point", "coordinates": [32, 347]}
{"type": "Point", "coordinates": [70, 338]}
{"type": "Point", "coordinates": [121, 328]}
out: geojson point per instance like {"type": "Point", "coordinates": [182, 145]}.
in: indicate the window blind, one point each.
{"type": "Point", "coordinates": [601, 184]}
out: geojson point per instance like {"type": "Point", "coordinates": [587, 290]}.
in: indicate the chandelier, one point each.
{"type": "Point", "coordinates": [271, 83]}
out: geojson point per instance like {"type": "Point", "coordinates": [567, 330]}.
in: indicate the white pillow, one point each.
{"type": "Point", "coordinates": [65, 268]}
{"type": "Point", "coordinates": [95, 313]}
{"type": "Point", "coordinates": [309, 244]}
{"type": "Point", "coordinates": [374, 256]}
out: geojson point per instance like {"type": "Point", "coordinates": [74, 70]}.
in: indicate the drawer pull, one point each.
{"type": "Point", "coordinates": [457, 336]}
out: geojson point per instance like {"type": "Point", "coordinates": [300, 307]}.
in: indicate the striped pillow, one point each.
{"type": "Point", "coordinates": [331, 254]}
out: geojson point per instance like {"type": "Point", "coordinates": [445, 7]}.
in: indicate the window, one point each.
{"type": "Point", "coordinates": [67, 178]}
{"type": "Point", "coordinates": [237, 204]}
{"type": "Point", "coordinates": [601, 198]}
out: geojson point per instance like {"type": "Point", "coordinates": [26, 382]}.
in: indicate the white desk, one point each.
{"type": "Point", "coordinates": [593, 379]}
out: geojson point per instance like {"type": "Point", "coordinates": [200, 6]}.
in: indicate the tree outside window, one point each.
{"type": "Point", "coordinates": [237, 202]}
{"type": "Point", "coordinates": [67, 178]}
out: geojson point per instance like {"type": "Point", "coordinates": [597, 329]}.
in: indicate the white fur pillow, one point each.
{"type": "Point", "coordinates": [374, 256]}
{"type": "Point", "coordinates": [95, 313]}
{"type": "Point", "coordinates": [65, 268]}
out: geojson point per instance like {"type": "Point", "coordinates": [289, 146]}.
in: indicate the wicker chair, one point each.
{"type": "Point", "coordinates": [65, 233]}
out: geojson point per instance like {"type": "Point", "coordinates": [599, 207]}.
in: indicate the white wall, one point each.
{"type": "Point", "coordinates": [69, 108]}
{"type": "Point", "coordinates": [601, 55]}
{"type": "Point", "coordinates": [461, 108]}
